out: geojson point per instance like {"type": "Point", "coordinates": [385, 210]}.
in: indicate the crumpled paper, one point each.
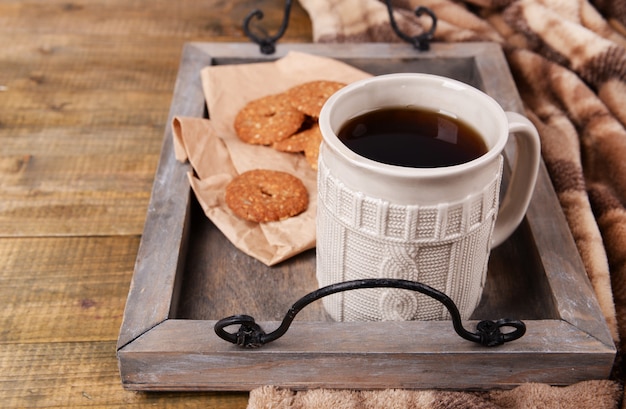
{"type": "Point", "coordinates": [217, 155]}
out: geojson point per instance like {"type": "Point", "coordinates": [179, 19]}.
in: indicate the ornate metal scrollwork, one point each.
{"type": "Point", "coordinates": [422, 41]}
{"type": "Point", "coordinates": [268, 43]}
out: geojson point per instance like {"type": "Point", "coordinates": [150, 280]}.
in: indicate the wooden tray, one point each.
{"type": "Point", "coordinates": [188, 276]}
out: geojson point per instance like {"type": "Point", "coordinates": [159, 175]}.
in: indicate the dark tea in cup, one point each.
{"type": "Point", "coordinates": [412, 137]}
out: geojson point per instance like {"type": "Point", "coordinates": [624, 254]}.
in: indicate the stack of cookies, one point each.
{"type": "Point", "coordinates": [287, 122]}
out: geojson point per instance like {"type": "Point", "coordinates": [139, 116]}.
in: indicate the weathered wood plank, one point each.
{"type": "Point", "coordinates": [417, 355]}
{"type": "Point", "coordinates": [84, 374]}
{"type": "Point", "coordinates": [64, 289]}
{"type": "Point", "coordinates": [185, 19]}
{"type": "Point", "coordinates": [45, 195]}
{"type": "Point", "coordinates": [76, 141]}
{"type": "Point", "coordinates": [157, 282]}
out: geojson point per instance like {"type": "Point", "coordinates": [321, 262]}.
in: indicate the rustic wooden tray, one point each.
{"type": "Point", "coordinates": [188, 276]}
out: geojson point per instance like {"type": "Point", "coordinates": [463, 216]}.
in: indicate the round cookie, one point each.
{"type": "Point", "coordinates": [263, 195]}
{"type": "Point", "coordinates": [267, 120]}
{"type": "Point", "coordinates": [309, 97]}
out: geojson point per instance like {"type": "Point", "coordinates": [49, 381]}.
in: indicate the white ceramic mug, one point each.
{"type": "Point", "coordinates": [432, 225]}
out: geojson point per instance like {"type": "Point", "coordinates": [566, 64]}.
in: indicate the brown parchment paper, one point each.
{"type": "Point", "coordinates": [217, 154]}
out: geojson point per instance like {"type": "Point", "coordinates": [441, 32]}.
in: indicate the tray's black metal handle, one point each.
{"type": "Point", "coordinates": [267, 44]}
{"type": "Point", "coordinates": [251, 335]}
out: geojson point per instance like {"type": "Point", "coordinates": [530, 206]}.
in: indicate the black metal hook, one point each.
{"type": "Point", "coordinates": [422, 41]}
{"type": "Point", "coordinates": [267, 44]}
{"type": "Point", "coordinates": [251, 335]}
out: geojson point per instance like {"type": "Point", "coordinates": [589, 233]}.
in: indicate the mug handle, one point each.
{"type": "Point", "coordinates": [523, 178]}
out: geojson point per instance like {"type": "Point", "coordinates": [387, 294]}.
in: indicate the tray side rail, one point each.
{"type": "Point", "coordinates": [152, 294]}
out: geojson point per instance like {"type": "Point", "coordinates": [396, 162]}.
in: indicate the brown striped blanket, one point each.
{"type": "Point", "coordinates": [568, 58]}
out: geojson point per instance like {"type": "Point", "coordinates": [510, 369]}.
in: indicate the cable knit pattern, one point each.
{"type": "Point", "coordinates": [420, 243]}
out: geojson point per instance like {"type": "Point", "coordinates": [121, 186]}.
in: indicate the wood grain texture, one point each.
{"type": "Point", "coordinates": [88, 85]}
{"type": "Point", "coordinates": [85, 91]}
{"type": "Point", "coordinates": [415, 355]}
{"type": "Point", "coordinates": [64, 289]}
{"type": "Point", "coordinates": [82, 374]}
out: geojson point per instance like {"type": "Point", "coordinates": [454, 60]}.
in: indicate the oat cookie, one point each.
{"type": "Point", "coordinates": [309, 97]}
{"type": "Point", "coordinates": [266, 120]}
{"type": "Point", "coordinates": [312, 149]}
{"type": "Point", "coordinates": [263, 195]}
{"type": "Point", "coordinates": [298, 141]}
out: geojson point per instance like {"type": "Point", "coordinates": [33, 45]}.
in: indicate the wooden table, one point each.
{"type": "Point", "coordinates": [85, 88]}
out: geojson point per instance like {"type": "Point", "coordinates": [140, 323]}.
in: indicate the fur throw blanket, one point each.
{"type": "Point", "coordinates": [568, 58]}
{"type": "Point", "coordinates": [590, 394]}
